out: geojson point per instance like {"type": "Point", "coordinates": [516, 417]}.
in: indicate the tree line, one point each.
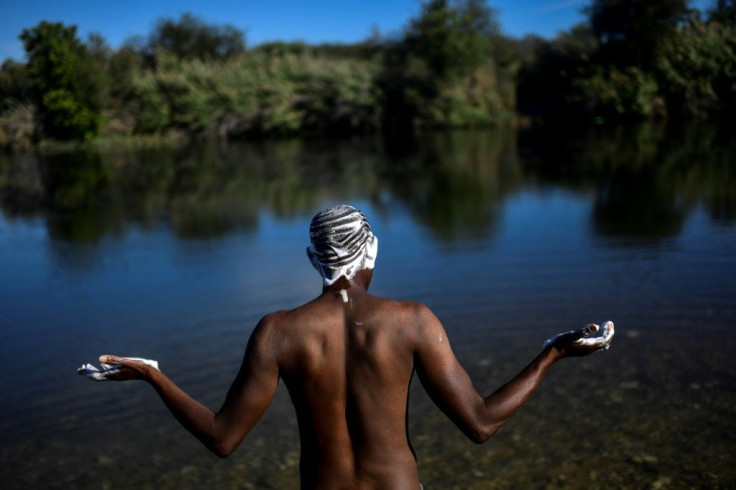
{"type": "Point", "coordinates": [451, 66]}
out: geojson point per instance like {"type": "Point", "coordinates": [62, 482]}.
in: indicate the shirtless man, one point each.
{"type": "Point", "coordinates": [347, 358]}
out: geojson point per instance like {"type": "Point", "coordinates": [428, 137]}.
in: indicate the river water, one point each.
{"type": "Point", "coordinates": [509, 236]}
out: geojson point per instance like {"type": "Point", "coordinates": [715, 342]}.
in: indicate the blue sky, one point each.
{"type": "Point", "coordinates": [312, 21]}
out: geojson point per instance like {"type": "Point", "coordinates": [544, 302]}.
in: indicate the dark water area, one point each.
{"type": "Point", "coordinates": [509, 236]}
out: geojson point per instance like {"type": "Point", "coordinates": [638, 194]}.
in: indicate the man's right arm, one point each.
{"type": "Point", "coordinates": [450, 387]}
{"type": "Point", "coordinates": [248, 397]}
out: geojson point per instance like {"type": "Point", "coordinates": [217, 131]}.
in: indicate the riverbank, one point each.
{"type": "Point", "coordinates": [449, 68]}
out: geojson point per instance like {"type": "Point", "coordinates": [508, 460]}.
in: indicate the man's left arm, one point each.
{"type": "Point", "coordinates": [449, 385]}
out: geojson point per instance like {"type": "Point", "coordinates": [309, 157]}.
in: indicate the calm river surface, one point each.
{"type": "Point", "coordinates": [510, 237]}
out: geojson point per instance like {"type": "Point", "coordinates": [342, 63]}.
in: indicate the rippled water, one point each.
{"type": "Point", "coordinates": [508, 236]}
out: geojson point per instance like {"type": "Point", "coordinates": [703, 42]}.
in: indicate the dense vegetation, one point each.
{"type": "Point", "coordinates": [450, 67]}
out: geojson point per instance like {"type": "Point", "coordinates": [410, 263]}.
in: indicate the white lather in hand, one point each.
{"type": "Point", "coordinates": [586, 336]}
{"type": "Point", "coordinates": [95, 374]}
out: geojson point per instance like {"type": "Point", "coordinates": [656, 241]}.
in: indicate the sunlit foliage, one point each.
{"type": "Point", "coordinates": [449, 67]}
{"type": "Point", "coordinates": [64, 81]}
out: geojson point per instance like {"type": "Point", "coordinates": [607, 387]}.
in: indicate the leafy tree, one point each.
{"type": "Point", "coordinates": [95, 66]}
{"type": "Point", "coordinates": [477, 28]}
{"type": "Point", "coordinates": [123, 65]}
{"type": "Point", "coordinates": [632, 32]}
{"type": "Point", "coordinates": [191, 38]}
{"type": "Point", "coordinates": [452, 37]}
{"type": "Point", "coordinates": [429, 37]}
{"type": "Point", "coordinates": [724, 12]}
{"type": "Point", "coordinates": [548, 82]}
{"type": "Point", "coordinates": [64, 81]}
{"type": "Point", "coordinates": [442, 73]}
{"type": "Point", "coordinates": [699, 68]}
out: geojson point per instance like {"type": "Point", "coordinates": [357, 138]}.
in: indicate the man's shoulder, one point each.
{"type": "Point", "coordinates": [273, 320]}
{"type": "Point", "coordinates": [406, 311]}
{"type": "Point", "coordinates": [280, 321]}
{"type": "Point", "coordinates": [404, 305]}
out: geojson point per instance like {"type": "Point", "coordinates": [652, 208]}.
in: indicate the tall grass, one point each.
{"type": "Point", "coordinates": [258, 93]}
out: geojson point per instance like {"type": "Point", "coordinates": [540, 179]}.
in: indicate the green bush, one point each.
{"type": "Point", "coordinates": [476, 100]}
{"type": "Point", "coordinates": [610, 93]}
{"type": "Point", "coordinates": [68, 118]}
{"type": "Point", "coordinates": [16, 126]}
{"type": "Point", "coordinates": [699, 68]}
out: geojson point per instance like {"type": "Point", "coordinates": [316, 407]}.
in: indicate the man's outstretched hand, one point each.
{"type": "Point", "coordinates": [583, 341]}
{"type": "Point", "coordinates": [116, 368]}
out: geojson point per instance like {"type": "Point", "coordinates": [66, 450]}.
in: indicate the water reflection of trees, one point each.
{"type": "Point", "coordinates": [202, 191]}
{"type": "Point", "coordinates": [646, 180]}
{"type": "Point", "coordinates": [454, 183]}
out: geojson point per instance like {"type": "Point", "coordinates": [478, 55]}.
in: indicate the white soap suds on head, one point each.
{"type": "Point", "coordinates": [341, 243]}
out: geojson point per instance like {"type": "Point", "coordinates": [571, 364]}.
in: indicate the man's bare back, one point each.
{"type": "Point", "coordinates": [347, 359]}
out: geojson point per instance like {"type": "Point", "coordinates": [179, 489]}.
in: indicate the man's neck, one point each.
{"type": "Point", "coordinates": [358, 284]}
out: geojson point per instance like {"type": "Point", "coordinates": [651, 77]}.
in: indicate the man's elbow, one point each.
{"type": "Point", "coordinates": [482, 433]}
{"type": "Point", "coordinates": [222, 449]}
{"type": "Point", "coordinates": [221, 452]}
